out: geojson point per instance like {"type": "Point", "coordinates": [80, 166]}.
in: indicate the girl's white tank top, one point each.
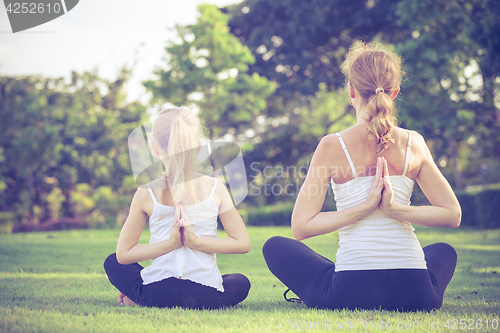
{"type": "Point", "coordinates": [184, 262]}
{"type": "Point", "coordinates": [376, 241]}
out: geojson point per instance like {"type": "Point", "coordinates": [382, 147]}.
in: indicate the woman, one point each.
{"type": "Point", "coordinates": [372, 167]}
{"type": "Point", "coordinates": [182, 207]}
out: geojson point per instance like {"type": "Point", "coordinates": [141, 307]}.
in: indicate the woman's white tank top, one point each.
{"type": "Point", "coordinates": [184, 262]}
{"type": "Point", "coordinates": [376, 241]}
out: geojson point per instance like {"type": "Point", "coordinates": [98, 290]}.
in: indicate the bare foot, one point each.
{"type": "Point", "coordinates": [127, 301]}
{"type": "Point", "coordinates": [122, 299]}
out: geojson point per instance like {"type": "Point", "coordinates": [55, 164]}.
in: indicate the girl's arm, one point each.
{"type": "Point", "coordinates": [237, 240]}
{"type": "Point", "coordinates": [127, 250]}
{"type": "Point", "coordinates": [307, 220]}
{"type": "Point", "coordinates": [445, 210]}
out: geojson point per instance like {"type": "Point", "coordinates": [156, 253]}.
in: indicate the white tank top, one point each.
{"type": "Point", "coordinates": [376, 241]}
{"type": "Point", "coordinates": [184, 262]}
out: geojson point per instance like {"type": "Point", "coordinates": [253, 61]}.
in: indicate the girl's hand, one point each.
{"type": "Point", "coordinates": [373, 200]}
{"type": "Point", "coordinates": [188, 236]}
{"type": "Point", "coordinates": [176, 231]}
{"type": "Point", "coordinates": [387, 202]}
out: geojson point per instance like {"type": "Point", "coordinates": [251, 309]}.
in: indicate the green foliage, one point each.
{"type": "Point", "coordinates": [208, 68]}
{"type": "Point", "coordinates": [450, 49]}
{"type": "Point", "coordinates": [328, 112]}
{"type": "Point", "coordinates": [451, 53]}
{"type": "Point", "coordinates": [55, 135]}
{"type": "Point", "coordinates": [480, 208]}
{"type": "Point", "coordinates": [6, 222]}
{"type": "Point", "coordinates": [272, 215]}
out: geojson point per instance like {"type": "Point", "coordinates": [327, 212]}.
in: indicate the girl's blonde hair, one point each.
{"type": "Point", "coordinates": [369, 67]}
{"type": "Point", "coordinates": [176, 132]}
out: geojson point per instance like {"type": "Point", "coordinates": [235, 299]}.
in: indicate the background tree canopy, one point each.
{"type": "Point", "coordinates": [451, 51]}
{"type": "Point", "coordinates": [268, 74]}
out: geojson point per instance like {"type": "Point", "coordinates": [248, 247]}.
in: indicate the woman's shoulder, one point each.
{"type": "Point", "coordinates": [329, 142]}
{"type": "Point", "coordinates": [205, 179]}
{"type": "Point", "coordinates": [402, 135]}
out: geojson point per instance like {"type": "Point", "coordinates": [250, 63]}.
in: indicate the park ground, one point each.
{"type": "Point", "coordinates": [55, 282]}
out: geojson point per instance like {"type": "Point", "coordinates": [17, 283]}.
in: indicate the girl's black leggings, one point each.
{"type": "Point", "coordinates": [173, 292]}
{"type": "Point", "coordinates": [312, 277]}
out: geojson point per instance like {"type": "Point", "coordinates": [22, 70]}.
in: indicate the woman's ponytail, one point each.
{"type": "Point", "coordinates": [176, 131]}
{"type": "Point", "coordinates": [376, 74]}
{"type": "Point", "coordinates": [381, 118]}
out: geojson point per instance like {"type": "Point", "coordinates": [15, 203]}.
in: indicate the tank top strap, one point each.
{"type": "Point", "coordinates": [151, 193]}
{"type": "Point", "coordinates": [348, 156]}
{"type": "Point", "coordinates": [407, 153]}
{"type": "Point", "coordinates": [212, 191]}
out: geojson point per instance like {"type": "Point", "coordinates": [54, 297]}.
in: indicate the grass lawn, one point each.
{"type": "Point", "coordinates": [54, 282]}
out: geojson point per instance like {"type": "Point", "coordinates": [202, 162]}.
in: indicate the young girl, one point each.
{"type": "Point", "coordinates": [372, 167]}
{"type": "Point", "coordinates": [182, 207]}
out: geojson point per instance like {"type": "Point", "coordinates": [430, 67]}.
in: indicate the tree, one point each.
{"type": "Point", "coordinates": [55, 135]}
{"type": "Point", "coordinates": [452, 56]}
{"type": "Point", "coordinates": [448, 46]}
{"type": "Point", "coordinates": [208, 68]}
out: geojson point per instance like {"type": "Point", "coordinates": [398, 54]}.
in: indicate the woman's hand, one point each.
{"type": "Point", "coordinates": [373, 200]}
{"type": "Point", "coordinates": [387, 202]}
{"type": "Point", "coordinates": [188, 236]}
{"type": "Point", "coordinates": [176, 231]}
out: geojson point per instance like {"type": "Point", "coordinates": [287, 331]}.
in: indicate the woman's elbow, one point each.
{"type": "Point", "coordinates": [121, 258]}
{"type": "Point", "coordinates": [299, 236]}
{"type": "Point", "coordinates": [298, 231]}
{"type": "Point", "coordinates": [245, 247]}
{"type": "Point", "coordinates": [455, 218]}
{"type": "Point", "coordinates": [457, 214]}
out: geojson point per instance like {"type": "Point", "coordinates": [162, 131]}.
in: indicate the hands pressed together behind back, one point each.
{"type": "Point", "coordinates": [182, 232]}
{"type": "Point", "coordinates": [381, 194]}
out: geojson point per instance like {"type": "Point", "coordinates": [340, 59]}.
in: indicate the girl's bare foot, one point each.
{"type": "Point", "coordinates": [127, 301]}
{"type": "Point", "coordinates": [122, 299]}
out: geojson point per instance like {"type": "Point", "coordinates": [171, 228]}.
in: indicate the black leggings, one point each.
{"type": "Point", "coordinates": [173, 292]}
{"type": "Point", "coordinates": [312, 277]}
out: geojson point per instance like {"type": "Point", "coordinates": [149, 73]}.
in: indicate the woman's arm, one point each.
{"type": "Point", "coordinates": [307, 220]}
{"type": "Point", "coordinates": [127, 250]}
{"type": "Point", "coordinates": [237, 240]}
{"type": "Point", "coordinates": [445, 210]}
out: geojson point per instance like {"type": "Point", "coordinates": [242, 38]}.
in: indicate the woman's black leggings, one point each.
{"type": "Point", "coordinates": [173, 292]}
{"type": "Point", "coordinates": [312, 277]}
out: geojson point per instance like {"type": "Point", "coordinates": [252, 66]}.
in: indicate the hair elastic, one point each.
{"type": "Point", "coordinates": [379, 89]}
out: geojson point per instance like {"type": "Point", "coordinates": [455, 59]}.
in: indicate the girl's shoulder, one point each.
{"type": "Point", "coordinates": [206, 181]}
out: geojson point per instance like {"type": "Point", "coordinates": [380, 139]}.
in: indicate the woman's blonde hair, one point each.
{"type": "Point", "coordinates": [376, 74]}
{"type": "Point", "coordinates": [176, 132]}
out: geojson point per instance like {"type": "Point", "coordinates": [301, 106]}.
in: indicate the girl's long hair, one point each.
{"type": "Point", "coordinates": [368, 67]}
{"type": "Point", "coordinates": [176, 132]}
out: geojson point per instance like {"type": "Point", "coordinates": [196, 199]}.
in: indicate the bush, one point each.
{"type": "Point", "coordinates": [480, 208]}
{"type": "Point", "coordinates": [6, 222]}
{"type": "Point", "coordinates": [488, 206]}
{"type": "Point", "coordinates": [278, 214]}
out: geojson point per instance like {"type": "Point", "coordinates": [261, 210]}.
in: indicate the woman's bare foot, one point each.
{"type": "Point", "coordinates": [122, 299]}
{"type": "Point", "coordinates": [127, 301]}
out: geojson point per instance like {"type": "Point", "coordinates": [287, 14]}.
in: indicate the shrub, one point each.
{"type": "Point", "coordinates": [480, 207]}
{"type": "Point", "coordinates": [6, 222]}
{"type": "Point", "coordinates": [278, 214]}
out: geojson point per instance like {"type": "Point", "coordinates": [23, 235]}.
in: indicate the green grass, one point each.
{"type": "Point", "coordinates": [54, 282]}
